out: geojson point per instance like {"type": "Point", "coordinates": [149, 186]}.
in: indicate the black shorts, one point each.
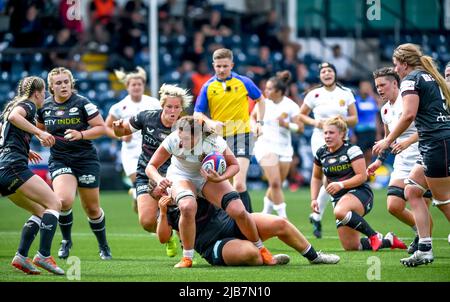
{"type": "Point", "coordinates": [365, 139]}
{"type": "Point", "coordinates": [141, 183]}
{"type": "Point", "coordinates": [87, 172]}
{"type": "Point", "coordinates": [365, 196]}
{"type": "Point", "coordinates": [13, 177]}
{"type": "Point", "coordinates": [435, 158]}
{"type": "Point", "coordinates": [241, 144]}
{"type": "Point", "coordinates": [213, 252]}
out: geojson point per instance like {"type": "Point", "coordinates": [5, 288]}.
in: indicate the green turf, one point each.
{"type": "Point", "coordinates": [138, 256]}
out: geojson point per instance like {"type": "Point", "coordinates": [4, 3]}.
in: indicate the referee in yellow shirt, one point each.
{"type": "Point", "coordinates": [225, 98]}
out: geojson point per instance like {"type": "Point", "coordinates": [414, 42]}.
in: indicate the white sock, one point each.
{"type": "Point", "coordinates": [322, 200]}
{"type": "Point", "coordinates": [258, 244]}
{"type": "Point", "coordinates": [280, 209]}
{"type": "Point", "coordinates": [268, 206]}
{"type": "Point", "coordinates": [188, 253]}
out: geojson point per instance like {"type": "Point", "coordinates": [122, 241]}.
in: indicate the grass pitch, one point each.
{"type": "Point", "coordinates": [138, 256]}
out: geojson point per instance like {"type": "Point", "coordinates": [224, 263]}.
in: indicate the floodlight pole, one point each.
{"type": "Point", "coordinates": [153, 47]}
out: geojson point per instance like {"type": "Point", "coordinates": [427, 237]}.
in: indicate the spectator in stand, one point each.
{"type": "Point", "coordinates": [102, 11]}
{"type": "Point", "coordinates": [268, 32]}
{"type": "Point", "coordinates": [199, 77]}
{"type": "Point", "coordinates": [342, 64]}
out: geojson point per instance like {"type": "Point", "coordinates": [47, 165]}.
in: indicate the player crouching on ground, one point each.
{"type": "Point", "coordinates": [219, 241]}
{"type": "Point", "coordinates": [344, 166]}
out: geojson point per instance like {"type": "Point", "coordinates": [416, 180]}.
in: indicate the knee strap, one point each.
{"type": "Point", "coordinates": [182, 194]}
{"type": "Point", "coordinates": [229, 197]}
{"type": "Point", "coordinates": [439, 202]}
{"type": "Point", "coordinates": [411, 182]}
{"type": "Point", "coordinates": [396, 191]}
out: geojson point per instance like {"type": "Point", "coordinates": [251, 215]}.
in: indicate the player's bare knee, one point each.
{"type": "Point", "coordinates": [66, 203]}
{"type": "Point", "coordinates": [54, 204]}
{"type": "Point", "coordinates": [395, 208]}
{"type": "Point", "coordinates": [236, 210]}
{"type": "Point", "coordinates": [148, 223]}
{"type": "Point", "coordinates": [340, 213]}
{"type": "Point", "coordinates": [92, 211]}
{"type": "Point", "coordinates": [240, 187]}
{"type": "Point", "coordinates": [187, 206]}
{"type": "Point", "coordinates": [280, 225]}
{"type": "Point", "coordinates": [275, 184]}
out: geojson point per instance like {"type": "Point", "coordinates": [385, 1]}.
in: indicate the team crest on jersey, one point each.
{"type": "Point", "coordinates": [332, 160]}
{"type": "Point", "coordinates": [162, 136]}
{"type": "Point", "coordinates": [73, 111]}
{"type": "Point", "coordinates": [59, 112]}
{"type": "Point", "coordinates": [342, 103]}
{"type": "Point", "coordinates": [343, 158]}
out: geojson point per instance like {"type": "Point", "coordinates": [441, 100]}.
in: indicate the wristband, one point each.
{"type": "Point", "coordinates": [341, 184]}
{"type": "Point", "coordinates": [260, 122]}
{"type": "Point", "coordinates": [293, 127]}
{"type": "Point", "coordinates": [82, 136]}
{"type": "Point", "coordinates": [384, 154]}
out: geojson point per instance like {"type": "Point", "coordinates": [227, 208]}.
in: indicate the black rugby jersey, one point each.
{"type": "Point", "coordinates": [75, 113]}
{"type": "Point", "coordinates": [212, 224]}
{"type": "Point", "coordinates": [153, 133]}
{"type": "Point", "coordinates": [337, 166]}
{"type": "Point", "coordinates": [14, 142]}
{"type": "Point", "coordinates": [433, 116]}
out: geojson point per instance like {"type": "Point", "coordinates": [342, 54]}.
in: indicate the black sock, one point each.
{"type": "Point", "coordinates": [48, 228]}
{"type": "Point", "coordinates": [98, 226]}
{"type": "Point", "coordinates": [245, 197]}
{"type": "Point", "coordinates": [29, 232]}
{"type": "Point", "coordinates": [353, 220]}
{"type": "Point", "coordinates": [365, 244]}
{"type": "Point", "coordinates": [425, 244]}
{"type": "Point", "coordinates": [65, 224]}
{"type": "Point", "coordinates": [310, 253]}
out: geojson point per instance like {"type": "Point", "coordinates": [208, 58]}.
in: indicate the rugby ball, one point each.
{"type": "Point", "coordinates": [215, 161]}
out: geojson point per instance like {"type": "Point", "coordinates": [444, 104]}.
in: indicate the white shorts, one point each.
{"type": "Point", "coordinates": [175, 175]}
{"type": "Point", "coordinates": [284, 154]}
{"type": "Point", "coordinates": [403, 164]}
{"type": "Point", "coordinates": [130, 159]}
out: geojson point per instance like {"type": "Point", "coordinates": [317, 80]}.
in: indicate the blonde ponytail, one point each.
{"type": "Point", "coordinates": [429, 65]}
{"type": "Point", "coordinates": [27, 86]}
{"type": "Point", "coordinates": [125, 78]}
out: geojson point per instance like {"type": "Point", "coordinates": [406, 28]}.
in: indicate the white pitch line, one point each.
{"type": "Point", "coordinates": [109, 234]}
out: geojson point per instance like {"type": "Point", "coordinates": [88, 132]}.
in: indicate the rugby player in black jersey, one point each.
{"type": "Point", "coordinates": [155, 126]}
{"type": "Point", "coordinates": [344, 167]}
{"type": "Point", "coordinates": [73, 164]}
{"type": "Point", "coordinates": [19, 184]}
{"type": "Point", "coordinates": [426, 101]}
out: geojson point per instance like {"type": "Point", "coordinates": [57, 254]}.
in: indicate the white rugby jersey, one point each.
{"type": "Point", "coordinates": [190, 161]}
{"type": "Point", "coordinates": [390, 114]}
{"type": "Point", "coordinates": [127, 108]}
{"type": "Point", "coordinates": [272, 133]}
{"type": "Point", "coordinates": [327, 104]}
